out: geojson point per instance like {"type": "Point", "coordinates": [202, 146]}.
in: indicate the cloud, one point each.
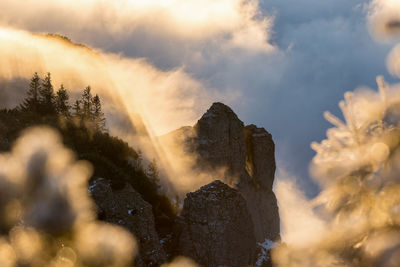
{"type": "Point", "coordinates": [357, 168]}
{"type": "Point", "coordinates": [236, 23]}
{"type": "Point", "coordinates": [301, 226]}
{"type": "Point", "coordinates": [165, 100]}
{"type": "Point", "coordinates": [150, 99]}
{"type": "Point", "coordinates": [319, 50]}
{"type": "Point", "coordinates": [393, 61]}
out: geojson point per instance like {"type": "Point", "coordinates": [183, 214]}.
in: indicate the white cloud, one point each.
{"type": "Point", "coordinates": [301, 226]}
{"type": "Point", "coordinates": [237, 23]}
{"type": "Point", "coordinates": [165, 100]}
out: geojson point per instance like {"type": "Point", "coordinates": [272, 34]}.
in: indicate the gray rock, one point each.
{"type": "Point", "coordinates": [220, 139]}
{"type": "Point", "coordinates": [125, 207]}
{"type": "Point", "coordinates": [263, 207]}
{"type": "Point", "coordinates": [260, 156]}
{"type": "Point", "coordinates": [216, 228]}
{"type": "Point", "coordinates": [260, 166]}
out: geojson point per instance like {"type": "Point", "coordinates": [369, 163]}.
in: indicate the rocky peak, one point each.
{"type": "Point", "coordinates": [215, 228]}
{"type": "Point", "coordinates": [219, 140]}
{"type": "Point", "coordinates": [214, 191]}
{"type": "Point", "coordinates": [219, 111]}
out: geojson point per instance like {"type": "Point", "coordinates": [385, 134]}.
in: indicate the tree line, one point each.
{"type": "Point", "coordinates": [87, 111]}
{"type": "Point", "coordinates": [41, 99]}
{"type": "Point", "coordinates": [82, 125]}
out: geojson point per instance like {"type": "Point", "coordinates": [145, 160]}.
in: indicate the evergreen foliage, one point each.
{"type": "Point", "coordinates": [98, 115]}
{"type": "Point", "coordinates": [61, 101]}
{"type": "Point", "coordinates": [87, 101]}
{"type": "Point", "coordinates": [47, 97]}
{"type": "Point", "coordinates": [77, 110]}
{"type": "Point", "coordinates": [111, 157]}
{"type": "Point", "coordinates": [31, 103]}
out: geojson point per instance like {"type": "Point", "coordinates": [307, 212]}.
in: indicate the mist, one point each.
{"type": "Point", "coordinates": [284, 37]}
{"type": "Point", "coordinates": [141, 102]}
{"type": "Point", "coordinates": [162, 64]}
{"type": "Point", "coordinates": [356, 167]}
{"type": "Point", "coordinates": [237, 23]}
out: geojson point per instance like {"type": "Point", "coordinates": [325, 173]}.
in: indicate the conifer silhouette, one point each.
{"type": "Point", "coordinates": [47, 97]}
{"type": "Point", "coordinates": [77, 109]}
{"type": "Point", "coordinates": [86, 101]}
{"type": "Point", "coordinates": [31, 103]}
{"type": "Point", "coordinates": [61, 102]}
{"type": "Point", "coordinates": [98, 115]}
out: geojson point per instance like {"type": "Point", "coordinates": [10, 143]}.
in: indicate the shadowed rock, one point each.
{"type": "Point", "coordinates": [126, 208]}
{"type": "Point", "coordinates": [216, 228]}
{"type": "Point", "coordinates": [220, 140]}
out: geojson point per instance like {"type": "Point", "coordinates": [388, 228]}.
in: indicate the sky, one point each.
{"type": "Point", "coordinates": [278, 64]}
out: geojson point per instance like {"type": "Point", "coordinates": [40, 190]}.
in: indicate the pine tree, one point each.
{"type": "Point", "coordinates": [86, 100]}
{"type": "Point", "coordinates": [98, 115]}
{"type": "Point", "coordinates": [61, 101]}
{"type": "Point", "coordinates": [47, 97]}
{"type": "Point", "coordinates": [31, 103]}
{"type": "Point", "coordinates": [77, 109]}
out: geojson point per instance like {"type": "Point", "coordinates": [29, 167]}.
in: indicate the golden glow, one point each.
{"type": "Point", "coordinates": [393, 61]}
{"type": "Point", "coordinates": [164, 100]}
{"type": "Point", "coordinates": [357, 168]}
{"type": "Point", "coordinates": [236, 23]}
{"type": "Point", "coordinates": [76, 238]}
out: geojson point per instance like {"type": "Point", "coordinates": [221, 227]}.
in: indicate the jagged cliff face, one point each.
{"type": "Point", "coordinates": [215, 228]}
{"type": "Point", "coordinates": [222, 222]}
{"type": "Point", "coordinates": [260, 156]}
{"type": "Point", "coordinates": [260, 166]}
{"type": "Point", "coordinates": [220, 140]}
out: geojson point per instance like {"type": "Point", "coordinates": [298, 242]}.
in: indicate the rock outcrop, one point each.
{"type": "Point", "coordinates": [215, 228]}
{"type": "Point", "coordinates": [222, 223]}
{"type": "Point", "coordinates": [125, 207]}
{"type": "Point", "coordinates": [220, 140]}
{"type": "Point", "coordinates": [260, 155]}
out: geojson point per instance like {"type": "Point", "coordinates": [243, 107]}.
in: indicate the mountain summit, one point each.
{"type": "Point", "coordinates": [220, 140]}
